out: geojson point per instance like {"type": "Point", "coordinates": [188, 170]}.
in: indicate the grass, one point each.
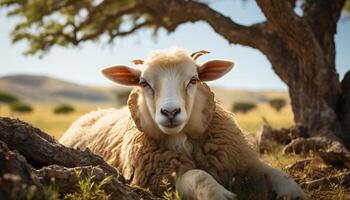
{"type": "Point", "coordinates": [252, 121]}
{"type": "Point", "coordinates": [88, 189]}
{"type": "Point", "coordinates": [44, 117]}
{"type": "Point", "coordinates": [51, 192]}
{"type": "Point", "coordinates": [170, 193]}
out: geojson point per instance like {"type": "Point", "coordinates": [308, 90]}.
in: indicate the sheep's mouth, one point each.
{"type": "Point", "coordinates": [171, 124]}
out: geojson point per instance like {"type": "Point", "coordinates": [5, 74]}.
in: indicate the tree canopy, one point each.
{"type": "Point", "coordinates": [45, 23]}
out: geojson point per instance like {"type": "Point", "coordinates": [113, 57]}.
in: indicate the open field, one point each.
{"type": "Point", "coordinates": [56, 124]}
{"type": "Point", "coordinates": [44, 118]}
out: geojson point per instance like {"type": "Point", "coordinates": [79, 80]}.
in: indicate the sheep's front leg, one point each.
{"type": "Point", "coordinates": [281, 183]}
{"type": "Point", "coordinates": [198, 184]}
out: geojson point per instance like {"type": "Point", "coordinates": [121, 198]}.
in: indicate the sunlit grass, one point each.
{"type": "Point", "coordinates": [88, 188]}
{"type": "Point", "coordinates": [44, 118]}
{"type": "Point", "coordinates": [253, 120]}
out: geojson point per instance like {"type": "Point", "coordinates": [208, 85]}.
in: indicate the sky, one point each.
{"type": "Point", "coordinates": [82, 64]}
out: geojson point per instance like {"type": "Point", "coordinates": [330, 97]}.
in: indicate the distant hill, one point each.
{"type": "Point", "coordinates": [43, 89]}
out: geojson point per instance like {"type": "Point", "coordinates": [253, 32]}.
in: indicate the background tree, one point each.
{"type": "Point", "coordinates": [21, 107]}
{"type": "Point", "coordinates": [301, 48]}
{"type": "Point", "coordinates": [243, 107]}
{"type": "Point", "coordinates": [7, 98]}
{"type": "Point", "coordinates": [277, 103]}
{"type": "Point", "coordinates": [63, 109]}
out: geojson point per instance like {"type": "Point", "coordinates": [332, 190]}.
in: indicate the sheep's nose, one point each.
{"type": "Point", "coordinates": [170, 114]}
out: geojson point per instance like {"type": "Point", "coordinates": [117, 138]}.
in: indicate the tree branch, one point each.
{"type": "Point", "coordinates": [180, 11]}
{"type": "Point", "coordinates": [322, 16]}
{"type": "Point", "coordinates": [287, 23]}
{"type": "Point", "coordinates": [257, 35]}
{"type": "Point", "coordinates": [128, 32]}
{"type": "Point", "coordinates": [109, 15]}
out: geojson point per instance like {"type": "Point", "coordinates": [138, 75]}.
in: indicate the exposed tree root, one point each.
{"type": "Point", "coordinates": [331, 149]}
{"type": "Point", "coordinates": [305, 145]}
{"type": "Point", "coordinates": [342, 179]}
{"type": "Point", "coordinates": [279, 136]}
{"type": "Point", "coordinates": [30, 159]}
{"type": "Point", "coordinates": [66, 179]}
{"type": "Point", "coordinates": [17, 178]}
{"type": "Point", "coordinates": [40, 149]}
{"type": "Point", "coordinates": [299, 165]}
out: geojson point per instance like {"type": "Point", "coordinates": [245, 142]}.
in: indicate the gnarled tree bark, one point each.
{"type": "Point", "coordinates": [40, 149]}
{"type": "Point", "coordinates": [30, 159]}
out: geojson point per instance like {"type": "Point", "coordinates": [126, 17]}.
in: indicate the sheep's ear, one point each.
{"type": "Point", "coordinates": [214, 69]}
{"type": "Point", "coordinates": [122, 74]}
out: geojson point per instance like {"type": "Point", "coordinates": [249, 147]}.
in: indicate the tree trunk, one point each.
{"type": "Point", "coordinates": [344, 108]}
{"type": "Point", "coordinates": [302, 53]}
{"type": "Point", "coordinates": [320, 103]}
{"type": "Point", "coordinates": [314, 106]}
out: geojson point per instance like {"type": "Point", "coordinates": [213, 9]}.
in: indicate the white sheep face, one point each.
{"type": "Point", "coordinates": [169, 92]}
{"type": "Point", "coordinates": [169, 83]}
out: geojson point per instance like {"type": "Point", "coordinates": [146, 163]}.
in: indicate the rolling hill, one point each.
{"type": "Point", "coordinates": [43, 89]}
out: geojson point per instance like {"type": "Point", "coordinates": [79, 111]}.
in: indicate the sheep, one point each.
{"type": "Point", "coordinates": [172, 124]}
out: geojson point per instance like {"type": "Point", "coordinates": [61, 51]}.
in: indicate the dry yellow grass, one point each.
{"type": "Point", "coordinates": [56, 124]}
{"type": "Point", "coordinates": [252, 121]}
{"type": "Point", "coordinates": [44, 118]}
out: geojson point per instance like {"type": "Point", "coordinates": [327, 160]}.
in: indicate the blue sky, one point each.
{"type": "Point", "coordinates": [81, 64]}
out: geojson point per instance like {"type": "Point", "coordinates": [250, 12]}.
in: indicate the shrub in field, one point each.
{"type": "Point", "coordinates": [243, 107]}
{"type": "Point", "coordinates": [7, 98]}
{"type": "Point", "coordinates": [63, 109]}
{"type": "Point", "coordinates": [21, 107]}
{"type": "Point", "coordinates": [277, 103]}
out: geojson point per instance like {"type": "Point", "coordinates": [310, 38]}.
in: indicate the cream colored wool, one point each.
{"type": "Point", "coordinates": [221, 150]}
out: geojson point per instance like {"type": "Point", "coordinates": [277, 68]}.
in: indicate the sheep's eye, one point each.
{"type": "Point", "coordinates": [144, 84]}
{"type": "Point", "coordinates": [193, 80]}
